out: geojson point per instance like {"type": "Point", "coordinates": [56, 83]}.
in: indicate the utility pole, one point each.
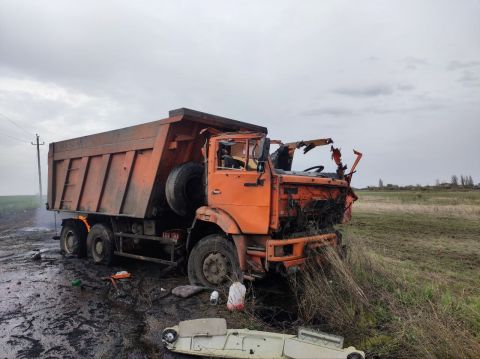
{"type": "Point", "coordinates": [38, 144]}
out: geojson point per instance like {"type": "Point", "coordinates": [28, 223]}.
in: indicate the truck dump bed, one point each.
{"type": "Point", "coordinates": [123, 172]}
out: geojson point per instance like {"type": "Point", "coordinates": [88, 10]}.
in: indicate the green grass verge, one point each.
{"type": "Point", "coordinates": [424, 286]}
{"type": "Point", "coordinates": [444, 197]}
{"type": "Point", "coordinates": [14, 204]}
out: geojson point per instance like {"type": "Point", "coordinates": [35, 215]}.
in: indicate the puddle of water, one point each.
{"type": "Point", "coordinates": [35, 229]}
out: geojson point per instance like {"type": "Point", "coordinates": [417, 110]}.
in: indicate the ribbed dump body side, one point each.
{"type": "Point", "coordinates": [123, 172]}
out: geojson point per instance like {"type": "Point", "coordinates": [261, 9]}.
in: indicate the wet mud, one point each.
{"type": "Point", "coordinates": [42, 315]}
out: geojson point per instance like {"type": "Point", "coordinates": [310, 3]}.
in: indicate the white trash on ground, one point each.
{"type": "Point", "coordinates": [214, 298]}
{"type": "Point", "coordinates": [186, 291]}
{"type": "Point", "coordinates": [236, 296]}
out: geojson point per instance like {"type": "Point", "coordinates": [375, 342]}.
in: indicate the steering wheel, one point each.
{"type": "Point", "coordinates": [318, 168]}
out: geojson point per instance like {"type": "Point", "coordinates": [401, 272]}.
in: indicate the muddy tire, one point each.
{"type": "Point", "coordinates": [184, 189]}
{"type": "Point", "coordinates": [73, 239]}
{"type": "Point", "coordinates": [213, 262]}
{"type": "Point", "coordinates": [100, 244]}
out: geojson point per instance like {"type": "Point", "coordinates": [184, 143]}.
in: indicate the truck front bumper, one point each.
{"type": "Point", "coordinates": [276, 250]}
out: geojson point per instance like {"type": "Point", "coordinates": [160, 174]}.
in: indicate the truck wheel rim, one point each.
{"type": "Point", "coordinates": [70, 242]}
{"type": "Point", "coordinates": [215, 268]}
{"type": "Point", "coordinates": [99, 247]}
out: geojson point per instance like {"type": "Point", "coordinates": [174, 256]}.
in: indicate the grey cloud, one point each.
{"type": "Point", "coordinates": [412, 63]}
{"type": "Point", "coordinates": [367, 91]}
{"type": "Point", "coordinates": [378, 110]}
{"type": "Point", "coordinates": [328, 111]}
{"type": "Point", "coordinates": [373, 90]}
{"type": "Point", "coordinates": [405, 109]}
{"type": "Point", "coordinates": [469, 78]}
{"type": "Point", "coordinates": [456, 65]}
{"type": "Point", "coordinates": [82, 67]}
{"type": "Point", "coordinates": [405, 87]}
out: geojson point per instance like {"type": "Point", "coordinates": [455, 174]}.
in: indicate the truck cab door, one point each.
{"type": "Point", "coordinates": [234, 185]}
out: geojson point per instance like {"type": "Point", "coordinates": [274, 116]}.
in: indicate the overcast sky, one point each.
{"type": "Point", "coordinates": [397, 80]}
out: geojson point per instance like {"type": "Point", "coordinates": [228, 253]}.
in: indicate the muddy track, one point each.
{"type": "Point", "coordinates": [43, 316]}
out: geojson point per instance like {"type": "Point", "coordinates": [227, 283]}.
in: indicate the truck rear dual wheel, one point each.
{"type": "Point", "coordinates": [73, 239]}
{"type": "Point", "coordinates": [213, 262]}
{"type": "Point", "coordinates": [100, 244]}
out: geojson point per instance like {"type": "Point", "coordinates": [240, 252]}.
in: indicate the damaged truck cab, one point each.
{"type": "Point", "coordinates": [273, 215]}
{"type": "Point", "coordinates": [200, 191]}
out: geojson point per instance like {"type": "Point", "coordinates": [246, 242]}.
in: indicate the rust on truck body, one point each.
{"type": "Point", "coordinates": [118, 172]}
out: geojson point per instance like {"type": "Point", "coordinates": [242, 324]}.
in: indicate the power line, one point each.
{"type": "Point", "coordinates": [13, 137]}
{"type": "Point", "coordinates": [16, 124]}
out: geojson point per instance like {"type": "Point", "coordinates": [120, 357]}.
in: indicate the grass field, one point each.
{"type": "Point", "coordinates": [410, 285]}
{"type": "Point", "coordinates": [415, 258]}
{"type": "Point", "coordinates": [13, 204]}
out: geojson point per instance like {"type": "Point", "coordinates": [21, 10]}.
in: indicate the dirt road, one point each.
{"type": "Point", "coordinates": [43, 315]}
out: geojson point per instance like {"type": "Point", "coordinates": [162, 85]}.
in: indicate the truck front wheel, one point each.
{"type": "Point", "coordinates": [72, 239]}
{"type": "Point", "coordinates": [100, 243]}
{"type": "Point", "coordinates": [213, 262]}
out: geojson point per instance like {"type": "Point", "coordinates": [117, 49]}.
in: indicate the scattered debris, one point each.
{"type": "Point", "coordinates": [186, 291]}
{"type": "Point", "coordinates": [113, 282]}
{"type": "Point", "coordinates": [214, 298]}
{"type": "Point", "coordinates": [236, 296]}
{"type": "Point", "coordinates": [36, 256]}
{"type": "Point", "coordinates": [210, 337]}
{"type": "Point", "coordinates": [121, 275]}
{"type": "Point", "coordinates": [76, 282]}
{"type": "Point", "coordinates": [116, 276]}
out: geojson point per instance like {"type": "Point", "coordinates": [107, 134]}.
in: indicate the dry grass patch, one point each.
{"type": "Point", "coordinates": [459, 211]}
{"type": "Point", "coordinates": [380, 308]}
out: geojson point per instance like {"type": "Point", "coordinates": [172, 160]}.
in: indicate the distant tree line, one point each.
{"type": "Point", "coordinates": [464, 181]}
{"type": "Point", "coordinates": [456, 182]}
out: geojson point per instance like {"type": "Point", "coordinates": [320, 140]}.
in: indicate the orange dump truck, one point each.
{"type": "Point", "coordinates": [196, 190]}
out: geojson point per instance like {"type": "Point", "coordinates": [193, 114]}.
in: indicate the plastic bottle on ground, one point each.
{"type": "Point", "coordinates": [214, 298]}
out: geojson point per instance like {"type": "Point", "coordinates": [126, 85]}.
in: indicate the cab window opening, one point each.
{"type": "Point", "coordinates": [233, 155]}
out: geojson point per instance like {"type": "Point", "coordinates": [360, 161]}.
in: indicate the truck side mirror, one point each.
{"type": "Point", "coordinates": [264, 146]}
